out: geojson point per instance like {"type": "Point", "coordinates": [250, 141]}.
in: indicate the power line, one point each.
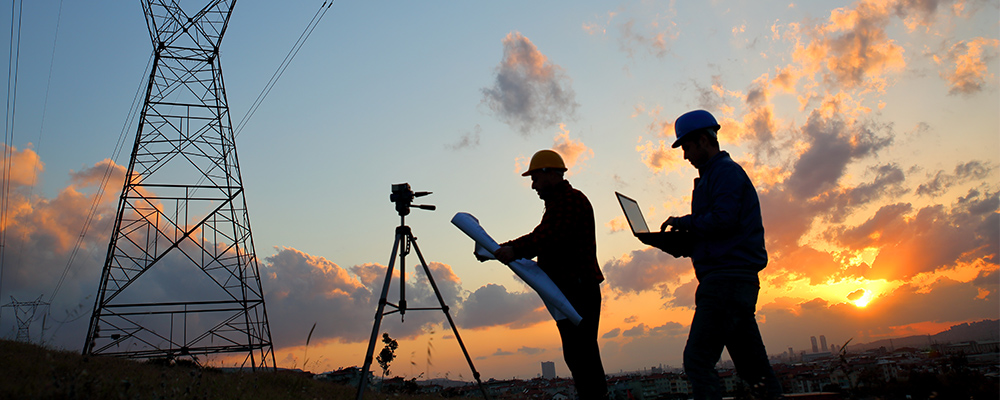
{"type": "Point", "coordinates": [14, 56]}
{"type": "Point", "coordinates": [320, 13]}
{"type": "Point", "coordinates": [323, 8]}
{"type": "Point", "coordinates": [41, 130]}
{"type": "Point", "coordinates": [129, 119]}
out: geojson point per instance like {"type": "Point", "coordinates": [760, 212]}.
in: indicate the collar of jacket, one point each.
{"type": "Point", "coordinates": [555, 190]}
{"type": "Point", "coordinates": [702, 170]}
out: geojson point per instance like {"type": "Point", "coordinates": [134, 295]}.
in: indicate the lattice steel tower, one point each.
{"type": "Point", "coordinates": [24, 313]}
{"type": "Point", "coordinates": [181, 277]}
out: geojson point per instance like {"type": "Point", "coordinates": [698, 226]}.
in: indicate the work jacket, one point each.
{"type": "Point", "coordinates": [564, 241]}
{"type": "Point", "coordinates": [725, 222]}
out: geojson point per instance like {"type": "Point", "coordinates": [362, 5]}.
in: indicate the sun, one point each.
{"type": "Point", "coordinates": [860, 297]}
{"type": "Point", "coordinates": [863, 301]}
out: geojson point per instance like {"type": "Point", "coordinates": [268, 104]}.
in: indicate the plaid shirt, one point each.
{"type": "Point", "coordinates": [564, 242]}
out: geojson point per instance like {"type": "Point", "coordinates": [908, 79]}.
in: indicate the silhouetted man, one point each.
{"type": "Point", "coordinates": [728, 250]}
{"type": "Point", "coordinates": [565, 245]}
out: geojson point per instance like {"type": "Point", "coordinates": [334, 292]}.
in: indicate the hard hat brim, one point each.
{"type": "Point", "coordinates": [532, 171]}
{"type": "Point", "coordinates": [680, 141]}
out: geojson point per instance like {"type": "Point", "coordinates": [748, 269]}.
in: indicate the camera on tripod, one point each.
{"type": "Point", "coordinates": [402, 195]}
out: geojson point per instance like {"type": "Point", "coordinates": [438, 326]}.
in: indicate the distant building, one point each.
{"type": "Point", "coordinates": [548, 370]}
{"type": "Point", "coordinates": [815, 346]}
{"type": "Point", "coordinates": [822, 342]}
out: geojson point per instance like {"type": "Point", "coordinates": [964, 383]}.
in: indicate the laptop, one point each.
{"type": "Point", "coordinates": [633, 214]}
{"type": "Point", "coordinates": [678, 244]}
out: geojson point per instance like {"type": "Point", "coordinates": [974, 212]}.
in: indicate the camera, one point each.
{"type": "Point", "coordinates": [402, 195]}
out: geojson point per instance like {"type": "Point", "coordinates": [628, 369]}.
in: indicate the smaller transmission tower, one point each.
{"type": "Point", "coordinates": [24, 311]}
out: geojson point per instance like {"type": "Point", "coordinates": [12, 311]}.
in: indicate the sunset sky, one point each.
{"type": "Point", "coordinates": [870, 128]}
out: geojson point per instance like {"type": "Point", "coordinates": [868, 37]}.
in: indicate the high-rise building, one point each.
{"type": "Point", "coordinates": [548, 370]}
{"type": "Point", "coordinates": [822, 342]}
{"type": "Point", "coordinates": [815, 346]}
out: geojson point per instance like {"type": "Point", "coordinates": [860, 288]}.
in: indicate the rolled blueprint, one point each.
{"type": "Point", "coordinates": [527, 270]}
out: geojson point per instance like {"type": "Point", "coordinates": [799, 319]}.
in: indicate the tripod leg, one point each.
{"type": "Point", "coordinates": [363, 381]}
{"type": "Point", "coordinates": [447, 314]}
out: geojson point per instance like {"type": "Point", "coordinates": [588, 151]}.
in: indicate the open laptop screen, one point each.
{"type": "Point", "coordinates": [633, 214]}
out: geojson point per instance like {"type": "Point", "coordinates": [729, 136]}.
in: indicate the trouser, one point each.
{"type": "Point", "coordinates": [580, 349]}
{"type": "Point", "coordinates": [724, 317]}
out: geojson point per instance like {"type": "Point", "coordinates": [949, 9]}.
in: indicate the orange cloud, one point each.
{"type": "Point", "coordinates": [617, 224]}
{"type": "Point", "coordinates": [443, 273]}
{"type": "Point", "coordinates": [931, 239]}
{"type": "Point", "coordinates": [806, 262]}
{"type": "Point", "coordinates": [786, 79]}
{"type": "Point", "coordinates": [852, 49]}
{"type": "Point", "coordinates": [23, 166]}
{"type": "Point", "coordinates": [761, 126]}
{"type": "Point", "coordinates": [661, 126]}
{"type": "Point", "coordinates": [42, 234]}
{"type": "Point", "coordinates": [572, 151]}
{"type": "Point", "coordinates": [758, 126]}
{"type": "Point", "coordinates": [763, 176]}
{"type": "Point", "coordinates": [967, 63]}
{"type": "Point", "coordinates": [660, 157]}
{"type": "Point", "coordinates": [58, 222]}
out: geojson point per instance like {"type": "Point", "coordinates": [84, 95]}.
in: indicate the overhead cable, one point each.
{"type": "Point", "coordinates": [102, 188]}
{"type": "Point", "coordinates": [284, 64]}
{"type": "Point", "coordinates": [41, 130]}
{"type": "Point", "coordinates": [12, 62]}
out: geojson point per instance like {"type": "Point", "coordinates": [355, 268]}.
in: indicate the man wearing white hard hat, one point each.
{"type": "Point", "coordinates": [728, 250]}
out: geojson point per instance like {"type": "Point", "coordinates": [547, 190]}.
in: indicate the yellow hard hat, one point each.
{"type": "Point", "coordinates": [545, 159]}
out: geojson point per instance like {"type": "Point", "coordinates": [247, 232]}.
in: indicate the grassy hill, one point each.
{"type": "Point", "coordinates": [29, 371]}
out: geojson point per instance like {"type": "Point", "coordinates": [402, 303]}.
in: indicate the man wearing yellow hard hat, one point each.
{"type": "Point", "coordinates": [565, 246]}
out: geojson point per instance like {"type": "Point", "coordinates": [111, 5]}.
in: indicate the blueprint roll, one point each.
{"type": "Point", "coordinates": [527, 270]}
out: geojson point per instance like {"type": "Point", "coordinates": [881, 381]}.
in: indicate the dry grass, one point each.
{"type": "Point", "coordinates": [29, 371]}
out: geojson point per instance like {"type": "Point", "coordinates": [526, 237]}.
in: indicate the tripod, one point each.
{"type": "Point", "coordinates": [402, 196]}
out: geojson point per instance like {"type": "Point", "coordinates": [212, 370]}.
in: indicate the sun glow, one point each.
{"type": "Point", "coordinates": [863, 301]}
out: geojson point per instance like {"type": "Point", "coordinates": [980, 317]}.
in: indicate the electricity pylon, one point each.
{"type": "Point", "coordinates": [24, 312]}
{"type": "Point", "coordinates": [181, 277]}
